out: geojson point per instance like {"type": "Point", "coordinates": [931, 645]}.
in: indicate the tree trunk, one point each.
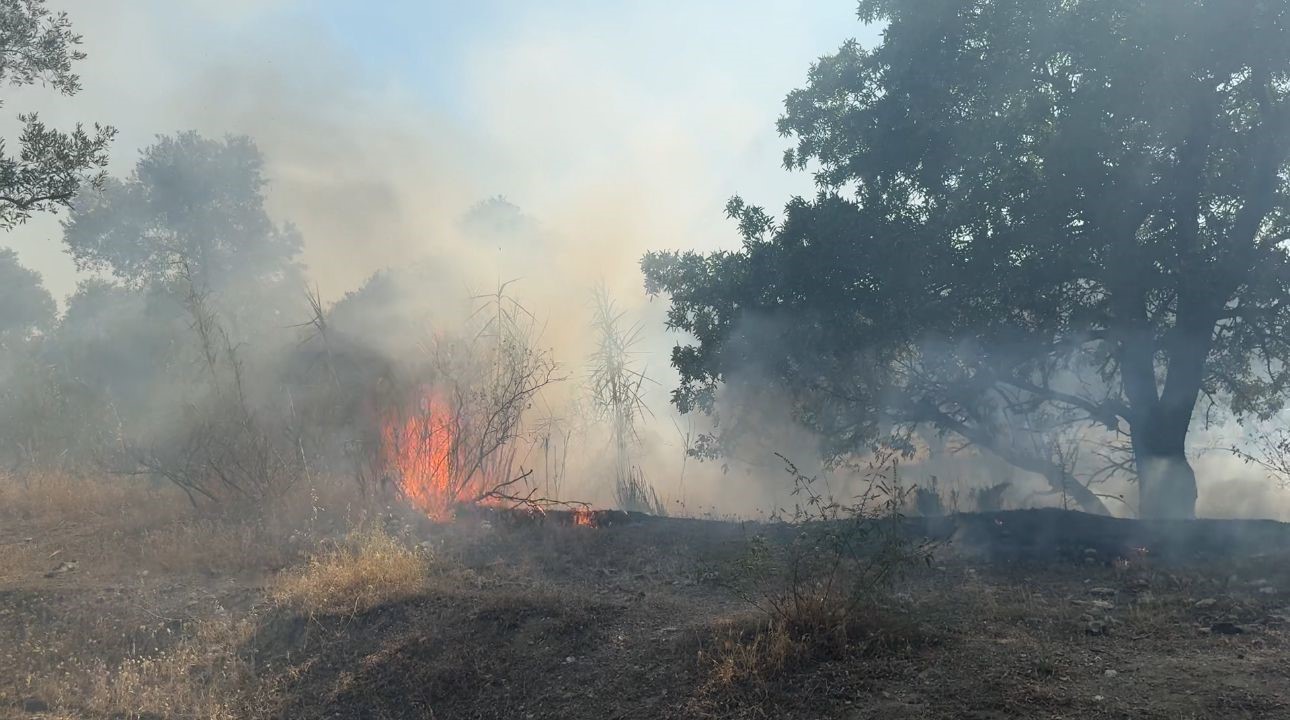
{"type": "Point", "coordinates": [1166, 481]}
{"type": "Point", "coordinates": [1159, 419]}
{"type": "Point", "coordinates": [1166, 486]}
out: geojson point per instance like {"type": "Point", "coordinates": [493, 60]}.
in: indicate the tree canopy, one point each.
{"type": "Point", "coordinates": [194, 208]}
{"type": "Point", "coordinates": [50, 165]}
{"type": "Point", "coordinates": [1030, 214]}
{"type": "Point", "coordinates": [25, 305]}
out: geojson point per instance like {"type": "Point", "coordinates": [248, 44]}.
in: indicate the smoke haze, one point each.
{"type": "Point", "coordinates": [615, 130]}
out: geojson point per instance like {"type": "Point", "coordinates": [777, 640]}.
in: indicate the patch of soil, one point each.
{"type": "Point", "coordinates": [1030, 614]}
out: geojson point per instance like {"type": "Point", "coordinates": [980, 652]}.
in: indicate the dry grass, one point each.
{"type": "Point", "coordinates": [369, 568]}
{"type": "Point", "coordinates": [216, 546]}
{"type": "Point", "coordinates": [59, 497]}
{"type": "Point", "coordinates": [17, 559]}
{"type": "Point", "coordinates": [750, 657]}
{"type": "Point", "coordinates": [202, 676]}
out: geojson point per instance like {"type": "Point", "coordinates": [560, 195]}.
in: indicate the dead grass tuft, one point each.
{"type": "Point", "coordinates": [751, 657]}
{"type": "Point", "coordinates": [368, 569]}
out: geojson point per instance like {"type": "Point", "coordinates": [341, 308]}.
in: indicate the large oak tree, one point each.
{"type": "Point", "coordinates": [1052, 211]}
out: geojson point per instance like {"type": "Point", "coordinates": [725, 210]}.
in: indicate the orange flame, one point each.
{"type": "Point", "coordinates": [584, 517]}
{"type": "Point", "coordinates": [417, 451]}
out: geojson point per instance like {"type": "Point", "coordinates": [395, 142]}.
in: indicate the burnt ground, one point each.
{"type": "Point", "coordinates": [1024, 614]}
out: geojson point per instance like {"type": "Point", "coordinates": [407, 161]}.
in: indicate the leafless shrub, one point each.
{"type": "Point", "coordinates": [553, 436]}
{"type": "Point", "coordinates": [1268, 450]}
{"type": "Point", "coordinates": [222, 451]}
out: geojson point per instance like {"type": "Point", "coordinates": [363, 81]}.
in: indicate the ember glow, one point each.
{"type": "Point", "coordinates": [417, 452]}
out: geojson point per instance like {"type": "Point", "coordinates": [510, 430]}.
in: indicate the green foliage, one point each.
{"type": "Point", "coordinates": [194, 206]}
{"type": "Point", "coordinates": [25, 305]}
{"type": "Point", "coordinates": [1070, 210]}
{"type": "Point", "coordinates": [37, 46]}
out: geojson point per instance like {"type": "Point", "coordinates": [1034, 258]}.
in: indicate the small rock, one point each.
{"type": "Point", "coordinates": [65, 566]}
{"type": "Point", "coordinates": [1226, 628]}
{"type": "Point", "coordinates": [1102, 592]}
{"type": "Point", "coordinates": [1205, 604]}
{"type": "Point", "coordinates": [1098, 698]}
{"type": "Point", "coordinates": [1110, 673]}
{"type": "Point", "coordinates": [1139, 584]}
{"type": "Point", "coordinates": [1096, 627]}
{"type": "Point", "coordinates": [570, 659]}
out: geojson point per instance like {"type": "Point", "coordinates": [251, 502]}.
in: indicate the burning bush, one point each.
{"type": "Point", "coordinates": [460, 440]}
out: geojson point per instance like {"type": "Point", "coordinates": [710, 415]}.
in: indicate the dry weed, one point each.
{"type": "Point", "coordinates": [369, 568]}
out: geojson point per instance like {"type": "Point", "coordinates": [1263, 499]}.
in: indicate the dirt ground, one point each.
{"type": "Point", "coordinates": [172, 617]}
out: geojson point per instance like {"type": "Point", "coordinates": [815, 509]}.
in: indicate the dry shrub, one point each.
{"type": "Point", "coordinates": [756, 659]}
{"type": "Point", "coordinates": [819, 585]}
{"type": "Point", "coordinates": [368, 569]}
{"type": "Point", "coordinates": [830, 563]}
